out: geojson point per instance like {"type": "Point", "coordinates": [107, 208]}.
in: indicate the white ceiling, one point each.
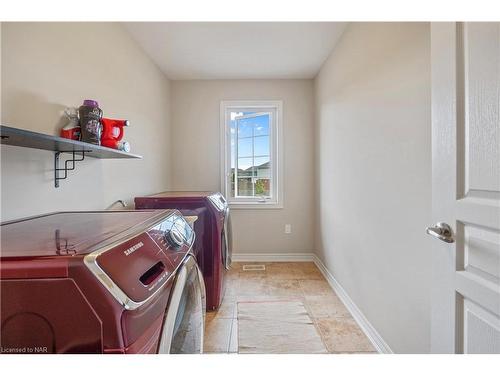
{"type": "Point", "coordinates": [230, 50]}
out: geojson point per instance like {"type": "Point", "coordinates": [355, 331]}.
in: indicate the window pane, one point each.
{"type": "Point", "coordinates": [245, 188]}
{"type": "Point", "coordinates": [235, 115]}
{"type": "Point", "coordinates": [261, 146]}
{"type": "Point", "coordinates": [232, 179]}
{"type": "Point", "coordinates": [263, 187]}
{"type": "Point", "coordinates": [245, 128]}
{"type": "Point", "coordinates": [253, 125]}
{"type": "Point", "coordinates": [245, 164]}
{"type": "Point", "coordinates": [262, 167]}
{"type": "Point", "coordinates": [250, 150]}
{"type": "Point", "coordinates": [233, 152]}
{"type": "Point", "coordinates": [261, 125]}
{"type": "Point", "coordinates": [244, 147]}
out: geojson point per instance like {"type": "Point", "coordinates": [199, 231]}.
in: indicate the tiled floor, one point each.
{"type": "Point", "coordinates": [284, 281]}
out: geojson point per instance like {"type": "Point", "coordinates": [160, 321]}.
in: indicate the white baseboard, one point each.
{"type": "Point", "coordinates": [372, 334]}
{"type": "Point", "coordinates": [370, 331]}
{"type": "Point", "coordinates": [273, 257]}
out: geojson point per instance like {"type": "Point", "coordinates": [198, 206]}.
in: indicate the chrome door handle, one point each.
{"type": "Point", "coordinates": [441, 231]}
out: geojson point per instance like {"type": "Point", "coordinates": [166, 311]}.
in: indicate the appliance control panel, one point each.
{"type": "Point", "coordinates": [218, 201]}
{"type": "Point", "coordinates": [135, 269]}
{"type": "Point", "coordinates": [174, 236]}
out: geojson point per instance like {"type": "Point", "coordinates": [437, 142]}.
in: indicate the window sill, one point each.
{"type": "Point", "coordinates": [255, 206]}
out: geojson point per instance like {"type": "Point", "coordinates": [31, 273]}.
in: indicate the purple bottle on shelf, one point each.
{"type": "Point", "coordinates": [90, 122]}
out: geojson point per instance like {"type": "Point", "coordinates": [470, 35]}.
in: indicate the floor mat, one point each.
{"type": "Point", "coordinates": [277, 327]}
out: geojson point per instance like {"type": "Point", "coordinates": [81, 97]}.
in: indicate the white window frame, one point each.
{"type": "Point", "coordinates": [276, 152]}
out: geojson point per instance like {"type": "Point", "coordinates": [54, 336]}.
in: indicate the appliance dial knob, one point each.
{"type": "Point", "coordinates": [175, 238]}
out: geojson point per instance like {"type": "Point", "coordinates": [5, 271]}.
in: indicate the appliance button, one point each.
{"type": "Point", "coordinates": [175, 238]}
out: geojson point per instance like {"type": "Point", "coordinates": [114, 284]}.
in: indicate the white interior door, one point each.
{"type": "Point", "coordinates": [466, 187]}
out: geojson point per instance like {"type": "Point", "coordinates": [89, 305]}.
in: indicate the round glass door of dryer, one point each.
{"type": "Point", "coordinates": [184, 324]}
{"type": "Point", "coordinates": [226, 240]}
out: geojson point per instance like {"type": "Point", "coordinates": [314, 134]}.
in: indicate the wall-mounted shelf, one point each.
{"type": "Point", "coordinates": [25, 138]}
{"type": "Point", "coordinates": [79, 150]}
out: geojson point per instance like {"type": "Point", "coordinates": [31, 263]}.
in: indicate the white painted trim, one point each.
{"type": "Point", "coordinates": [273, 257]}
{"type": "Point", "coordinates": [370, 331]}
{"type": "Point", "coordinates": [376, 339]}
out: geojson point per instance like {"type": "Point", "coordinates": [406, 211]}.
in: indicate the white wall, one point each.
{"type": "Point", "coordinates": [48, 66]}
{"type": "Point", "coordinates": [195, 156]}
{"type": "Point", "coordinates": [373, 168]}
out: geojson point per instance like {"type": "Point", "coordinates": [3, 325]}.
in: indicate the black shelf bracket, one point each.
{"type": "Point", "coordinates": [69, 164]}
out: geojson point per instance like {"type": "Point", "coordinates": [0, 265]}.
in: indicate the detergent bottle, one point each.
{"type": "Point", "coordinates": [72, 129]}
{"type": "Point", "coordinates": [113, 133]}
{"type": "Point", "coordinates": [90, 122]}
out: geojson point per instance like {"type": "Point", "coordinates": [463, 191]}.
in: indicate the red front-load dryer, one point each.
{"type": "Point", "coordinates": [100, 282]}
{"type": "Point", "coordinates": [213, 246]}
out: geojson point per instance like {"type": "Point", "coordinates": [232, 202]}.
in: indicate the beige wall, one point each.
{"type": "Point", "coordinates": [373, 160]}
{"type": "Point", "coordinates": [0, 71]}
{"type": "Point", "coordinates": [358, 172]}
{"type": "Point", "coordinates": [195, 155]}
{"type": "Point", "coordinates": [47, 66]}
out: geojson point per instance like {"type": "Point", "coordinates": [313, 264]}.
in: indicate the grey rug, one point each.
{"type": "Point", "coordinates": [277, 327]}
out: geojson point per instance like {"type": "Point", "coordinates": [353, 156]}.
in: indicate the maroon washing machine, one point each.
{"type": "Point", "coordinates": [101, 282]}
{"type": "Point", "coordinates": [212, 246]}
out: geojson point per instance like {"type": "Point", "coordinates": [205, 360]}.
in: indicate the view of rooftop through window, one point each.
{"type": "Point", "coordinates": [250, 154]}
